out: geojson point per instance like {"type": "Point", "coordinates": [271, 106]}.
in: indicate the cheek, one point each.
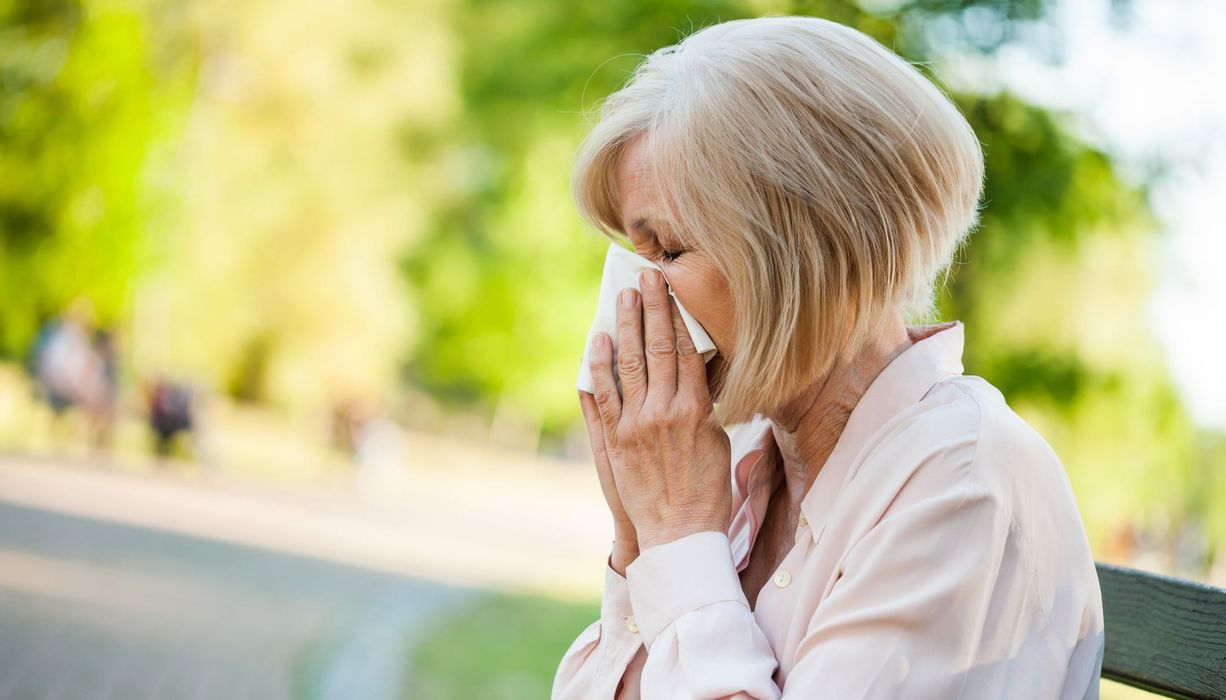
{"type": "Point", "coordinates": [684, 288]}
{"type": "Point", "coordinates": [706, 301]}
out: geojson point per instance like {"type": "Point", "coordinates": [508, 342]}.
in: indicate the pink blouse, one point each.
{"type": "Point", "coordinates": [939, 554]}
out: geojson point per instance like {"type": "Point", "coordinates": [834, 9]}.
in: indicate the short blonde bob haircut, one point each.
{"type": "Point", "coordinates": [829, 181]}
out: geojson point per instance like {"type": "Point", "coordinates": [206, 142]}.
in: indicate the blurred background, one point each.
{"type": "Point", "coordinates": [293, 297]}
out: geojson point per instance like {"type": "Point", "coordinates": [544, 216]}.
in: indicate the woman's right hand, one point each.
{"type": "Point", "coordinates": [625, 544]}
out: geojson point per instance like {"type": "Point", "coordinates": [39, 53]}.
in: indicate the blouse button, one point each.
{"type": "Point", "coordinates": [630, 624]}
{"type": "Point", "coordinates": [782, 578]}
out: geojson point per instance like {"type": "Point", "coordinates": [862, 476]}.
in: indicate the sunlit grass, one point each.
{"type": "Point", "coordinates": [1118, 691]}
{"type": "Point", "coordinates": [505, 648]}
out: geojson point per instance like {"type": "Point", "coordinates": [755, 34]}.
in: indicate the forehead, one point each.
{"type": "Point", "coordinates": [635, 189]}
{"type": "Point", "coordinates": [633, 168]}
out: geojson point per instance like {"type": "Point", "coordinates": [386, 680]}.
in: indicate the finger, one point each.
{"type": "Point", "coordinates": [600, 451]}
{"type": "Point", "coordinates": [630, 363]}
{"type": "Point", "coordinates": [691, 369]}
{"type": "Point", "coordinates": [605, 390]}
{"type": "Point", "coordinates": [659, 339]}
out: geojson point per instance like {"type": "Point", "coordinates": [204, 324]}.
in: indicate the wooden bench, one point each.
{"type": "Point", "coordinates": [1164, 634]}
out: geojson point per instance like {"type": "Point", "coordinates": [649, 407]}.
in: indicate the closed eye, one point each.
{"type": "Point", "coordinates": [643, 228]}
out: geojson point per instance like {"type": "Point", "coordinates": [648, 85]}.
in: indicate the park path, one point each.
{"type": "Point", "coordinates": [116, 584]}
{"type": "Point", "coordinates": [90, 609]}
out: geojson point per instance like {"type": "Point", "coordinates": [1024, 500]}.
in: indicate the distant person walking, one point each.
{"type": "Point", "coordinates": [65, 368]}
{"type": "Point", "coordinates": [170, 411]}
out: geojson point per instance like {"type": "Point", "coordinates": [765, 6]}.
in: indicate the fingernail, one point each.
{"type": "Point", "coordinates": [652, 278]}
{"type": "Point", "coordinates": [627, 298]}
{"type": "Point", "coordinates": [598, 342]}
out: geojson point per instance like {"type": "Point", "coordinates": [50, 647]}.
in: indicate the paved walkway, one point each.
{"type": "Point", "coordinates": [134, 585]}
{"type": "Point", "coordinates": [90, 609]}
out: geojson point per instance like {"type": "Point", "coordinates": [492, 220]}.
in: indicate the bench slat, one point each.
{"type": "Point", "coordinates": [1165, 635]}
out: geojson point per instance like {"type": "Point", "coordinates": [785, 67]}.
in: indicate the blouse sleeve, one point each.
{"type": "Point", "coordinates": [702, 639]}
{"type": "Point", "coordinates": [901, 622]}
{"type": "Point", "coordinates": [606, 652]}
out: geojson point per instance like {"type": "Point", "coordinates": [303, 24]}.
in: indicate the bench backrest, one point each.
{"type": "Point", "coordinates": [1166, 635]}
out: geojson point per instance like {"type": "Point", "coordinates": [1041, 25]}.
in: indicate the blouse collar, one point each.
{"type": "Point", "coordinates": [935, 354]}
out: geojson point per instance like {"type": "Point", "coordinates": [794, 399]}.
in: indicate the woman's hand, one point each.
{"type": "Point", "coordinates": [625, 540]}
{"type": "Point", "coordinates": [668, 456]}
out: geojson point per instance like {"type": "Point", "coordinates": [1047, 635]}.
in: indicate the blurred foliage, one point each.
{"type": "Point", "coordinates": [302, 202]}
{"type": "Point", "coordinates": [82, 104]}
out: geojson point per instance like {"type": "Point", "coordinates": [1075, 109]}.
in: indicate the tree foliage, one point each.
{"type": "Point", "coordinates": [302, 201]}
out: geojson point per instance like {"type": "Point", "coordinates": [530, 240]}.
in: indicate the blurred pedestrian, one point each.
{"type": "Point", "coordinates": [63, 364]}
{"type": "Point", "coordinates": [170, 413]}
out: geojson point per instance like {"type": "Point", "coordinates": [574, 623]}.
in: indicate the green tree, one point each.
{"type": "Point", "coordinates": [84, 101]}
{"type": "Point", "coordinates": [1052, 286]}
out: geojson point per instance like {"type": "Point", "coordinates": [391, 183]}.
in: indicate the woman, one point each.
{"type": "Point", "coordinates": [890, 528]}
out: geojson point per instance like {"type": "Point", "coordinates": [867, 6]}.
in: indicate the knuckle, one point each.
{"type": "Point", "coordinates": [648, 415]}
{"type": "Point", "coordinates": [629, 363]}
{"type": "Point", "coordinates": [685, 345]}
{"type": "Point", "coordinates": [683, 410]}
{"type": "Point", "coordinates": [627, 435]}
{"type": "Point", "coordinates": [604, 397]}
{"type": "Point", "coordinates": [663, 419]}
{"type": "Point", "coordinates": [660, 347]}
{"type": "Point", "coordinates": [655, 301]}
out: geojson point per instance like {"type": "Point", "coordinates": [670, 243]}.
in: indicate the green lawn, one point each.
{"type": "Point", "coordinates": [505, 648]}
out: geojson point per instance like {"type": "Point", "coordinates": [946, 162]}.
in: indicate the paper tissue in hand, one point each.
{"type": "Point", "coordinates": [621, 269]}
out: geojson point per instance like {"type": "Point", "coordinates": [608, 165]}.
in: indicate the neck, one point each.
{"type": "Point", "coordinates": [807, 428]}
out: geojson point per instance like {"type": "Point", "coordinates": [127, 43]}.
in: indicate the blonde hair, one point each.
{"type": "Point", "coordinates": [829, 181]}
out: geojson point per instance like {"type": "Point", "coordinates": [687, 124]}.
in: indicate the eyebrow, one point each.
{"type": "Point", "coordinates": [643, 225]}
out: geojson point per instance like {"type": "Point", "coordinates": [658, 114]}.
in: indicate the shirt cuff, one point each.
{"type": "Point", "coordinates": [669, 580]}
{"type": "Point", "coordinates": [615, 608]}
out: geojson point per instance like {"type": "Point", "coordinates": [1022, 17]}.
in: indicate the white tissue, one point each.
{"type": "Point", "coordinates": [621, 269]}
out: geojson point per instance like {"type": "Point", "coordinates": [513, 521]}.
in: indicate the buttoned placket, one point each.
{"type": "Point", "coordinates": [782, 577]}
{"type": "Point", "coordinates": [783, 573]}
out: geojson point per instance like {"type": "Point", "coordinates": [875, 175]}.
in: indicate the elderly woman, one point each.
{"type": "Point", "coordinates": [891, 528]}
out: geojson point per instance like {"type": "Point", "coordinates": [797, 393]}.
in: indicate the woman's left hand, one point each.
{"type": "Point", "coordinates": [670, 457]}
